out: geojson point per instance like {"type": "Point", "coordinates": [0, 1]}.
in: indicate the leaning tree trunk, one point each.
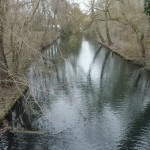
{"type": "Point", "coordinates": [99, 33]}
{"type": "Point", "coordinates": [106, 23]}
{"type": "Point", "coordinates": [107, 30]}
{"type": "Point", "coordinates": [3, 62]}
{"type": "Point", "coordinates": [142, 46]}
{"type": "Point", "coordinates": [140, 39]}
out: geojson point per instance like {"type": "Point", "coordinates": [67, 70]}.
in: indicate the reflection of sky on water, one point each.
{"type": "Point", "coordinates": [86, 63]}
{"type": "Point", "coordinates": [93, 100]}
{"type": "Point", "coordinates": [86, 56]}
{"type": "Point", "coordinates": [94, 91]}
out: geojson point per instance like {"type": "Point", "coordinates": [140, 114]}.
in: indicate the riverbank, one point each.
{"type": "Point", "coordinates": [8, 97]}
{"type": "Point", "coordinates": [86, 97]}
{"type": "Point", "coordinates": [10, 94]}
{"type": "Point", "coordinates": [121, 51]}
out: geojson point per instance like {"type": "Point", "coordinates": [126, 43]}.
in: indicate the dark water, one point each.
{"type": "Point", "coordinates": [84, 97]}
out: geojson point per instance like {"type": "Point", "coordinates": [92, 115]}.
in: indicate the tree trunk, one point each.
{"type": "Point", "coordinates": [107, 30]}
{"type": "Point", "coordinates": [15, 63]}
{"type": "Point", "coordinates": [141, 43]}
{"type": "Point", "coordinates": [140, 39]}
{"type": "Point", "coordinates": [99, 33]}
{"type": "Point", "coordinates": [3, 62]}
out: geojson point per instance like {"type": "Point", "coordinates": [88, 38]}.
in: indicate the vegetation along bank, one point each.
{"type": "Point", "coordinates": [26, 27]}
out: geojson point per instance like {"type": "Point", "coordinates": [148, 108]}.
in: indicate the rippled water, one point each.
{"type": "Point", "coordinates": [87, 98]}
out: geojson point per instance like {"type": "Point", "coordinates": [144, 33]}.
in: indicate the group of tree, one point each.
{"type": "Point", "coordinates": [26, 26]}
{"type": "Point", "coordinates": [121, 23]}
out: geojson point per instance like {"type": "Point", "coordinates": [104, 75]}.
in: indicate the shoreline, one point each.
{"type": "Point", "coordinates": [16, 96]}
{"type": "Point", "coordinates": [43, 48]}
{"type": "Point", "coordinates": [15, 93]}
{"type": "Point", "coordinates": [18, 93]}
{"type": "Point", "coordinates": [137, 61]}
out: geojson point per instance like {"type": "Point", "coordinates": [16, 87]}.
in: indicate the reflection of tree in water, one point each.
{"type": "Point", "coordinates": [10, 138]}
{"type": "Point", "coordinates": [71, 43]}
{"type": "Point", "coordinates": [95, 56]}
{"type": "Point", "coordinates": [90, 37]}
{"type": "Point", "coordinates": [113, 85]}
{"type": "Point", "coordinates": [120, 86]}
{"type": "Point", "coordinates": [139, 125]}
{"type": "Point", "coordinates": [89, 92]}
{"type": "Point", "coordinates": [135, 130]}
{"type": "Point", "coordinates": [116, 94]}
{"type": "Point", "coordinates": [90, 87]}
{"type": "Point", "coordinates": [117, 82]}
{"type": "Point", "coordinates": [103, 68]}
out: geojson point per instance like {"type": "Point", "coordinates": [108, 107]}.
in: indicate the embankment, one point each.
{"type": "Point", "coordinates": [121, 52]}
{"type": "Point", "coordinates": [10, 94]}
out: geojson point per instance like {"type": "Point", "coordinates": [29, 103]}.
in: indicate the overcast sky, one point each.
{"type": "Point", "coordinates": [82, 3]}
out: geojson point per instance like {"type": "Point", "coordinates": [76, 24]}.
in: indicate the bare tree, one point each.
{"type": "Point", "coordinates": [126, 19]}
{"type": "Point", "coordinates": [3, 61]}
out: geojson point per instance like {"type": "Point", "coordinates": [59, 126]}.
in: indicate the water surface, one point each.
{"type": "Point", "coordinates": [84, 97]}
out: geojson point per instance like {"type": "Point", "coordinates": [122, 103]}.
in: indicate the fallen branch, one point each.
{"type": "Point", "coordinates": [27, 132]}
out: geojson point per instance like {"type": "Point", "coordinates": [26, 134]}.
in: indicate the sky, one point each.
{"type": "Point", "coordinates": [82, 4]}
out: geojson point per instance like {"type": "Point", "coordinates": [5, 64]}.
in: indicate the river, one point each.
{"type": "Point", "coordinates": [84, 97]}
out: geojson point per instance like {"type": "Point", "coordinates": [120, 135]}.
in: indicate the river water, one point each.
{"type": "Point", "coordinates": [84, 97]}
